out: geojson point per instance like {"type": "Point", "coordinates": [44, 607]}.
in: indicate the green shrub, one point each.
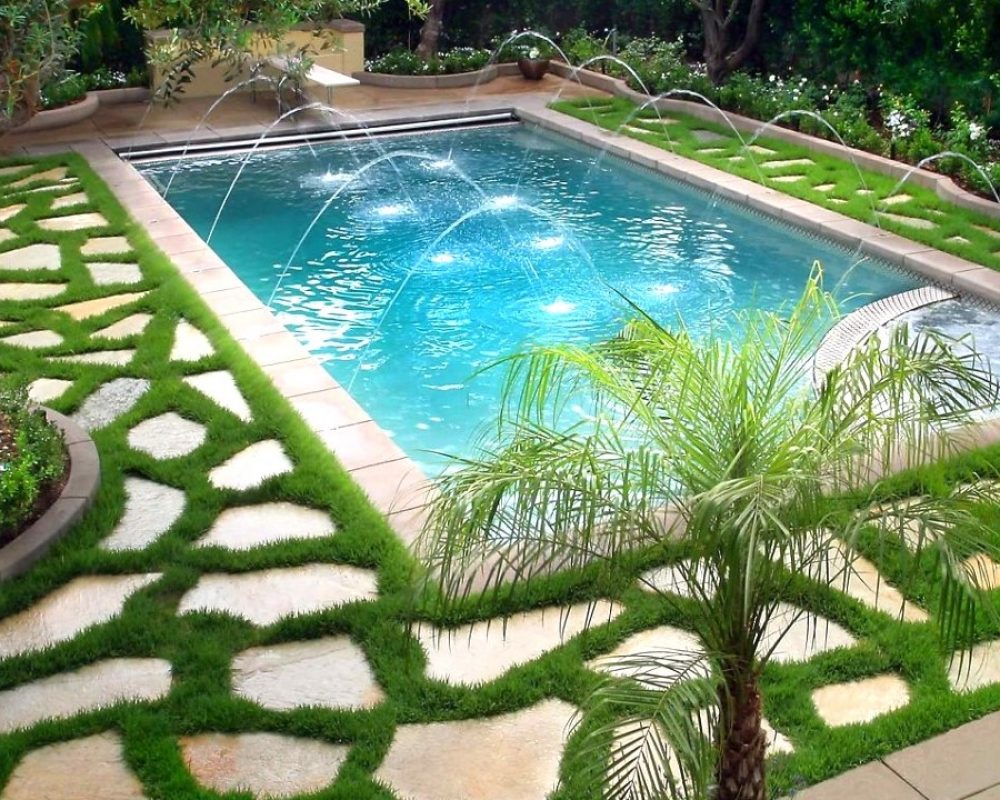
{"type": "Point", "coordinates": [70, 88]}
{"type": "Point", "coordinates": [32, 456]}
{"type": "Point", "coordinates": [405, 62]}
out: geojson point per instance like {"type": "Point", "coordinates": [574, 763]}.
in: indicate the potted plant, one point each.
{"type": "Point", "coordinates": [534, 63]}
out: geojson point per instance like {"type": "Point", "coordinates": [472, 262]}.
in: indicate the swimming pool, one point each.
{"type": "Point", "coordinates": [438, 254]}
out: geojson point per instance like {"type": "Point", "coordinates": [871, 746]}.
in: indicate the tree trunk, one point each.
{"type": "Point", "coordinates": [430, 31]}
{"type": "Point", "coordinates": [741, 754]}
{"type": "Point", "coordinates": [716, 20]}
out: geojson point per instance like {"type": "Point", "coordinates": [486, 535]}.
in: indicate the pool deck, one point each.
{"type": "Point", "coordinates": [959, 764]}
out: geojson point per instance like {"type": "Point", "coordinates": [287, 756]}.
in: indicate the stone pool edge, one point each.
{"type": "Point", "coordinates": [394, 484]}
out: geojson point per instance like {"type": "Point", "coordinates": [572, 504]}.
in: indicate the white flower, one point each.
{"type": "Point", "coordinates": [976, 131]}
{"type": "Point", "coordinates": [771, 78]}
{"type": "Point", "coordinates": [533, 53]}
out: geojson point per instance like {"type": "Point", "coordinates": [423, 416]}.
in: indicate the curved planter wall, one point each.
{"type": "Point", "coordinates": [75, 498]}
{"type": "Point", "coordinates": [61, 117]}
{"type": "Point", "coordinates": [944, 186]}
{"type": "Point", "coordinates": [455, 81]}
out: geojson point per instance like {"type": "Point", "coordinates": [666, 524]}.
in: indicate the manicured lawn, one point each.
{"type": "Point", "coordinates": [860, 194]}
{"type": "Point", "coordinates": [200, 646]}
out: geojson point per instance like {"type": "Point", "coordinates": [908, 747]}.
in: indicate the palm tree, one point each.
{"type": "Point", "coordinates": [727, 450]}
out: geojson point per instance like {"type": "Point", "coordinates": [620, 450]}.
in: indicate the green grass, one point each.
{"type": "Point", "coordinates": [200, 646]}
{"type": "Point", "coordinates": [677, 133]}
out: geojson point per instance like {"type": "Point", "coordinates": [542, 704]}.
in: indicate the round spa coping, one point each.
{"type": "Point", "coordinates": [75, 498]}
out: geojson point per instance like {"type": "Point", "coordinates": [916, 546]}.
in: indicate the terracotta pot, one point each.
{"type": "Point", "coordinates": [533, 68]}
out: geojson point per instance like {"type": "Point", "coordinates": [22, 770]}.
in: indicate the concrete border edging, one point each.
{"type": "Point", "coordinates": [76, 497]}
{"type": "Point", "coordinates": [123, 94]}
{"type": "Point", "coordinates": [455, 80]}
{"type": "Point", "coordinates": [942, 185]}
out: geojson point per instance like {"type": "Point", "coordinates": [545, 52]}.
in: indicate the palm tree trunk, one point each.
{"type": "Point", "coordinates": [741, 756]}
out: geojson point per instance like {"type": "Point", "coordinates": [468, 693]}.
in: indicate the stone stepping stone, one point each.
{"type": "Point", "coordinates": [110, 401]}
{"type": "Point", "coordinates": [762, 151]}
{"type": "Point", "coordinates": [711, 151]}
{"type": "Point", "coordinates": [975, 669]}
{"type": "Point", "coordinates": [13, 170]}
{"type": "Point", "coordinates": [675, 580]}
{"type": "Point", "coordinates": [54, 174]}
{"type": "Point", "coordinates": [94, 308]}
{"type": "Point", "coordinates": [251, 467]}
{"type": "Point", "coordinates": [82, 769]}
{"type": "Point", "coordinates": [860, 701]}
{"type": "Point", "coordinates": [73, 222]}
{"type": "Point", "coordinates": [30, 291]}
{"type": "Point", "coordinates": [67, 183]}
{"type": "Point", "coordinates": [331, 672]}
{"type": "Point", "coordinates": [265, 596]}
{"type": "Point", "coordinates": [246, 527]}
{"type": "Point", "coordinates": [507, 757]}
{"type": "Point", "coordinates": [957, 240]}
{"type": "Point", "coordinates": [109, 358]}
{"type": "Point", "coordinates": [864, 192]}
{"type": "Point", "coordinates": [132, 325]}
{"type": "Point", "coordinates": [151, 509]}
{"type": "Point", "coordinates": [167, 436]}
{"type": "Point", "coordinates": [70, 200]}
{"type": "Point", "coordinates": [221, 388]}
{"type": "Point", "coordinates": [896, 200]}
{"type": "Point", "coordinates": [41, 390]}
{"type": "Point", "coordinates": [31, 257]}
{"type": "Point", "coordinates": [9, 211]}
{"type": "Point", "coordinates": [70, 609]}
{"type": "Point", "coordinates": [801, 635]}
{"type": "Point", "coordinates": [788, 162]}
{"type": "Point", "coordinates": [6, 235]}
{"type": "Point", "coordinates": [736, 159]}
{"type": "Point", "coordinates": [825, 187]}
{"type": "Point", "coordinates": [108, 273]}
{"type": "Point", "coordinates": [703, 135]}
{"type": "Point", "coordinates": [788, 178]}
{"type": "Point", "coordinates": [95, 686]}
{"type": "Point", "coordinates": [988, 231]}
{"type": "Point", "coordinates": [484, 651]}
{"type": "Point", "coordinates": [34, 340]}
{"type": "Point", "coordinates": [863, 582]}
{"type": "Point", "coordinates": [665, 641]}
{"type": "Point", "coordinates": [837, 201]}
{"type": "Point", "coordinates": [106, 246]}
{"type": "Point", "coordinates": [986, 571]}
{"type": "Point", "coordinates": [912, 222]}
{"type": "Point", "coordinates": [190, 344]}
{"type": "Point", "coordinates": [267, 765]}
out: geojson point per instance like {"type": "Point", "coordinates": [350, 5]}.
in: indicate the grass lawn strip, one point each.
{"type": "Point", "coordinates": [200, 647]}
{"type": "Point", "coordinates": [912, 211]}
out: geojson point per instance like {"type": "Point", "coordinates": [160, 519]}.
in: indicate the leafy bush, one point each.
{"type": "Point", "coordinates": [32, 456]}
{"type": "Point", "coordinates": [406, 62]}
{"type": "Point", "coordinates": [68, 89]}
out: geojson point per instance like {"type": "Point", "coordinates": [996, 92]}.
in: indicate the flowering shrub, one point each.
{"type": "Point", "coordinates": [32, 457]}
{"type": "Point", "coordinates": [406, 62]}
{"type": "Point", "coordinates": [104, 78]}
{"type": "Point", "coordinates": [69, 88]}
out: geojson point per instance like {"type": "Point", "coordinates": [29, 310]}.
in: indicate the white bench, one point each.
{"type": "Point", "coordinates": [328, 78]}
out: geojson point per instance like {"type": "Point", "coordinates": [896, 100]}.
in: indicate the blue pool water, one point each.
{"type": "Point", "coordinates": [416, 277]}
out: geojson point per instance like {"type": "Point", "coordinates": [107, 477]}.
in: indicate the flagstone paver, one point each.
{"type": "Point", "coordinates": [331, 672]}
{"type": "Point", "coordinates": [111, 358]}
{"type": "Point", "coordinates": [167, 436]}
{"type": "Point", "coordinates": [788, 178]}
{"type": "Point", "coordinates": [11, 211]}
{"type": "Point", "coordinates": [54, 174]}
{"type": "Point", "coordinates": [70, 609]}
{"type": "Point", "coordinates": [913, 222]}
{"type": "Point", "coordinates": [788, 162]}
{"type": "Point", "coordinates": [797, 636]}
{"type": "Point", "coordinates": [95, 686]}
{"type": "Point", "coordinates": [986, 571]}
{"type": "Point", "coordinates": [264, 764]}
{"type": "Point", "coordinates": [674, 579]}
{"type": "Point", "coordinates": [252, 466]}
{"type": "Point", "coordinates": [82, 769]}
{"type": "Point", "coordinates": [975, 669]}
{"type": "Point", "coordinates": [265, 596]}
{"type": "Point", "coordinates": [508, 757]}
{"type": "Point", "coordinates": [666, 643]}
{"type": "Point", "coordinates": [106, 246]}
{"type": "Point", "coordinates": [703, 135]}
{"type": "Point", "coordinates": [246, 527]}
{"type": "Point", "coordinates": [896, 200]}
{"type": "Point", "coordinates": [860, 701]}
{"type": "Point", "coordinates": [32, 257]}
{"type": "Point", "coordinates": [151, 509]}
{"type": "Point", "coordinates": [68, 200]}
{"type": "Point", "coordinates": [7, 235]}
{"type": "Point", "coordinates": [110, 401]}
{"type": "Point", "coordinates": [14, 169]}
{"type": "Point", "coordinates": [93, 308]}
{"type": "Point", "coordinates": [825, 187]}
{"type": "Point", "coordinates": [73, 222]}
{"type": "Point", "coordinates": [190, 344]}
{"type": "Point", "coordinates": [108, 273]}
{"type": "Point", "coordinates": [484, 651]}
{"type": "Point", "coordinates": [220, 386]}
{"type": "Point", "coordinates": [131, 325]}
{"type": "Point", "coordinates": [41, 390]}
{"type": "Point", "coordinates": [34, 340]}
{"type": "Point", "coordinates": [30, 291]}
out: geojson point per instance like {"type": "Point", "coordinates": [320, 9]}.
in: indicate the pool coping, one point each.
{"type": "Point", "coordinates": [394, 483]}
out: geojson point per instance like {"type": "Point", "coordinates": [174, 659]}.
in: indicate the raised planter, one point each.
{"type": "Point", "coordinates": [62, 117]}
{"type": "Point", "coordinates": [126, 94]}
{"type": "Point", "coordinates": [455, 81]}
{"type": "Point", "coordinates": [77, 495]}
